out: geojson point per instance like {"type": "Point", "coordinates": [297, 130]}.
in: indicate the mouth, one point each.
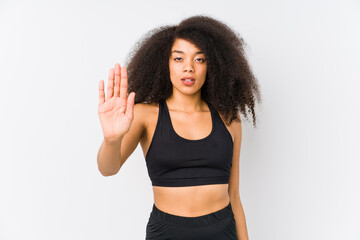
{"type": "Point", "coordinates": [188, 81]}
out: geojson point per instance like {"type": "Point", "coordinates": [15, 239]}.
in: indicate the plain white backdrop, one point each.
{"type": "Point", "coordinates": [299, 169]}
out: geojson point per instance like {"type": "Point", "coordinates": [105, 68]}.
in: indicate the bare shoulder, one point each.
{"type": "Point", "coordinates": [146, 112]}
{"type": "Point", "coordinates": [235, 126]}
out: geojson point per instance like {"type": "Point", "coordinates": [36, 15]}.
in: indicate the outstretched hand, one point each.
{"type": "Point", "coordinates": [116, 112]}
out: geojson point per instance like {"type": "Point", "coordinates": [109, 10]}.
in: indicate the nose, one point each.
{"type": "Point", "coordinates": [189, 66]}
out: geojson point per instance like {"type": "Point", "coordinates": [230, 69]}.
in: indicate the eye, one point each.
{"type": "Point", "coordinates": [199, 59]}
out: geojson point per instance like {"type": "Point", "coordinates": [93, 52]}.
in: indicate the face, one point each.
{"type": "Point", "coordinates": [187, 62]}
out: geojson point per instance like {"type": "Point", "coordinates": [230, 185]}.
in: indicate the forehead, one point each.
{"type": "Point", "coordinates": [185, 46]}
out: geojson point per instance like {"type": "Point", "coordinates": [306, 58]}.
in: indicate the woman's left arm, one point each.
{"type": "Point", "coordinates": [234, 194]}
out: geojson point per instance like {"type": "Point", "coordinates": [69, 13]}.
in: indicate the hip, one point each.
{"type": "Point", "coordinates": [217, 225]}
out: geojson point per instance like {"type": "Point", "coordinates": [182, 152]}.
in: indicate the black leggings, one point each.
{"type": "Point", "coordinates": [219, 225]}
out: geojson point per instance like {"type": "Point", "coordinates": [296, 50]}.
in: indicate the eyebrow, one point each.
{"type": "Point", "coordinates": [183, 52]}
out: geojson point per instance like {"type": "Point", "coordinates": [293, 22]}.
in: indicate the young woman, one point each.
{"type": "Point", "coordinates": [191, 81]}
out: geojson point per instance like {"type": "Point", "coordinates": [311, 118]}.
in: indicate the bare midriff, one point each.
{"type": "Point", "coordinates": [191, 201]}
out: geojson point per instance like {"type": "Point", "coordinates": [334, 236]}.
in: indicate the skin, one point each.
{"type": "Point", "coordinates": [139, 123]}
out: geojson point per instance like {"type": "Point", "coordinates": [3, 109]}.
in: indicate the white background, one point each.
{"type": "Point", "coordinates": [299, 169]}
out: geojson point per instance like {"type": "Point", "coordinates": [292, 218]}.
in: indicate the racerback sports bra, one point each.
{"type": "Point", "coordinates": [174, 161]}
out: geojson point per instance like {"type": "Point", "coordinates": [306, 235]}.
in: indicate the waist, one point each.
{"type": "Point", "coordinates": [191, 201]}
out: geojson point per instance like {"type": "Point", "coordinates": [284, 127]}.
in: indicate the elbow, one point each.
{"type": "Point", "coordinates": [107, 173]}
{"type": "Point", "coordinates": [234, 195]}
{"type": "Point", "coordinates": [106, 169]}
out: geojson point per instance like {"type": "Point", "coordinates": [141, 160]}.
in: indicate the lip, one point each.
{"type": "Point", "coordinates": [188, 83]}
{"type": "Point", "coordinates": [188, 78]}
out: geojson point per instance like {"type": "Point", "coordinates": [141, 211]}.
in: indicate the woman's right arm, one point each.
{"type": "Point", "coordinates": [113, 154]}
{"type": "Point", "coordinates": [108, 158]}
{"type": "Point", "coordinates": [121, 133]}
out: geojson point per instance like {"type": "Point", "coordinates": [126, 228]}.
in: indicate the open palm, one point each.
{"type": "Point", "coordinates": [116, 112]}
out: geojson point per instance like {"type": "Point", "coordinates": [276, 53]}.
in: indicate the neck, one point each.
{"type": "Point", "coordinates": [187, 104]}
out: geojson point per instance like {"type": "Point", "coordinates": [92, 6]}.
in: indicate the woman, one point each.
{"type": "Point", "coordinates": [191, 80]}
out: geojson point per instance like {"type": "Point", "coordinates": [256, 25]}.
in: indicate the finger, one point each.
{"type": "Point", "coordinates": [117, 80]}
{"type": "Point", "coordinates": [110, 84]}
{"type": "Point", "coordinates": [101, 92]}
{"type": "Point", "coordinates": [123, 84]}
{"type": "Point", "coordinates": [130, 105]}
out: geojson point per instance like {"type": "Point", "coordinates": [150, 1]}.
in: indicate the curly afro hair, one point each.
{"type": "Point", "coordinates": [230, 85]}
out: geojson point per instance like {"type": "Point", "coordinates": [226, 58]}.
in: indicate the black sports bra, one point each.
{"type": "Point", "coordinates": [174, 161]}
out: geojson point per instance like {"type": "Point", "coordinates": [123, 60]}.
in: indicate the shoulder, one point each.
{"type": "Point", "coordinates": [234, 128]}
{"type": "Point", "coordinates": [144, 108]}
{"type": "Point", "coordinates": [236, 125]}
{"type": "Point", "coordinates": [146, 111]}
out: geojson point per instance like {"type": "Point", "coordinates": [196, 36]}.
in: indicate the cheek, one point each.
{"type": "Point", "coordinates": [174, 72]}
{"type": "Point", "coordinates": [174, 69]}
{"type": "Point", "coordinates": [204, 71]}
{"type": "Point", "coordinates": [171, 67]}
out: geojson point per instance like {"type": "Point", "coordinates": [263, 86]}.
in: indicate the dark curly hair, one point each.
{"type": "Point", "coordinates": [230, 85]}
